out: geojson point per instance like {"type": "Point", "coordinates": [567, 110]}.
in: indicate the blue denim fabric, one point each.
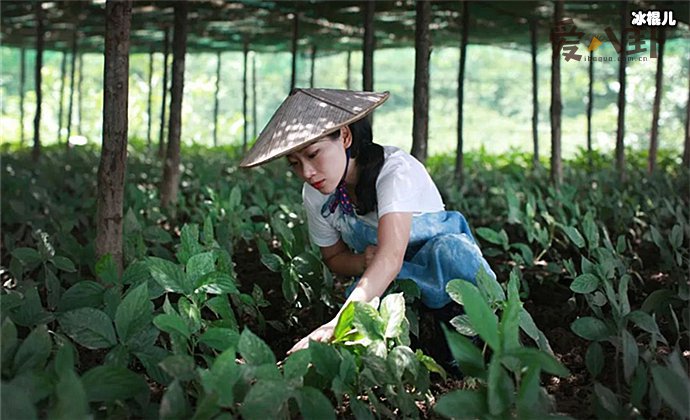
{"type": "Point", "coordinates": [441, 248]}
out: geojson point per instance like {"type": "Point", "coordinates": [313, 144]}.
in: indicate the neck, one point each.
{"type": "Point", "coordinates": [351, 175]}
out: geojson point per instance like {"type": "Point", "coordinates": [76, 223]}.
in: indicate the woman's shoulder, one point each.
{"type": "Point", "coordinates": [397, 160]}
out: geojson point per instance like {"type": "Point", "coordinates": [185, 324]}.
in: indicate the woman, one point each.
{"type": "Point", "coordinates": [373, 210]}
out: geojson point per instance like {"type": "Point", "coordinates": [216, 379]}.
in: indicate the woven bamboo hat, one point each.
{"type": "Point", "coordinates": [308, 115]}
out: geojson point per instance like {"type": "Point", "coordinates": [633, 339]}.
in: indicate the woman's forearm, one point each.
{"type": "Point", "coordinates": [346, 263]}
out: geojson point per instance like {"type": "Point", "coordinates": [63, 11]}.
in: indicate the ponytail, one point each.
{"type": "Point", "coordinates": [369, 157]}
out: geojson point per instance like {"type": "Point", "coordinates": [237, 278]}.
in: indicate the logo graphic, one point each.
{"type": "Point", "coordinates": [594, 44]}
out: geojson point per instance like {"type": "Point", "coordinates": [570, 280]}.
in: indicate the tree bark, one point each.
{"type": "Point", "coordinates": [164, 102]}
{"type": "Point", "coordinates": [171, 172]}
{"type": "Point", "coordinates": [348, 69]}
{"type": "Point", "coordinates": [460, 153]}
{"type": "Point", "coordinates": [149, 114]}
{"type": "Point", "coordinates": [40, 34]}
{"type": "Point", "coordinates": [535, 94]}
{"type": "Point", "coordinates": [245, 99]}
{"type": "Point", "coordinates": [590, 107]}
{"type": "Point", "coordinates": [80, 92]}
{"type": "Point", "coordinates": [112, 167]}
{"type": "Point", "coordinates": [254, 121]}
{"type": "Point", "coordinates": [654, 141]}
{"type": "Point", "coordinates": [22, 81]}
{"type": "Point", "coordinates": [295, 38]}
{"type": "Point", "coordinates": [420, 119]}
{"type": "Point", "coordinates": [63, 70]}
{"type": "Point", "coordinates": [73, 70]}
{"type": "Point", "coordinates": [620, 134]}
{"type": "Point", "coordinates": [686, 148]}
{"type": "Point", "coordinates": [313, 66]}
{"type": "Point", "coordinates": [216, 101]}
{"type": "Point", "coordinates": [369, 44]}
{"type": "Point", "coordinates": [556, 105]}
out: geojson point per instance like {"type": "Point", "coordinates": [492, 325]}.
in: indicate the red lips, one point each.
{"type": "Point", "coordinates": [318, 185]}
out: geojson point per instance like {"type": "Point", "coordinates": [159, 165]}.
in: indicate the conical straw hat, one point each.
{"type": "Point", "coordinates": [308, 115]}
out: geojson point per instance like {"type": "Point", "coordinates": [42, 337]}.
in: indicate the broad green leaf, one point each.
{"type": "Point", "coordinates": [607, 399]}
{"type": "Point", "coordinates": [639, 385]}
{"type": "Point", "coordinates": [265, 400]}
{"type": "Point", "coordinates": [492, 236]}
{"type": "Point", "coordinates": [623, 294]}
{"type": "Point", "coordinates": [199, 265]}
{"type": "Point", "coordinates": [594, 359]}
{"type": "Point", "coordinates": [221, 307]}
{"type": "Point", "coordinates": [313, 405]}
{"type": "Point", "coordinates": [189, 243]}
{"type": "Point", "coordinates": [64, 264]}
{"type": "Point", "coordinates": [273, 262]}
{"type": "Point", "coordinates": [89, 327]}
{"type": "Point", "coordinates": [657, 238]}
{"type": "Point", "coordinates": [591, 231]}
{"type": "Point", "coordinates": [208, 231]}
{"type": "Point", "coordinates": [532, 357]}
{"type": "Point", "coordinates": [216, 283]}
{"type": "Point", "coordinates": [224, 374]}
{"type": "Point", "coordinates": [136, 273]}
{"type": "Point", "coordinates": [676, 238]}
{"type": "Point", "coordinates": [110, 383]}
{"type": "Point", "coordinates": [630, 355]}
{"type": "Point", "coordinates": [528, 394]}
{"type": "Point", "coordinates": [106, 270]}
{"type": "Point", "coordinates": [34, 351]}
{"type": "Point", "coordinates": [8, 341]}
{"type": "Point", "coordinates": [134, 313]}
{"type": "Point", "coordinates": [53, 289]}
{"type": "Point", "coordinates": [360, 410]}
{"type": "Point", "coordinates": [673, 388]}
{"type": "Point", "coordinates": [574, 236]}
{"type": "Point", "coordinates": [179, 366]}
{"type": "Point", "coordinates": [174, 404]}
{"type": "Point", "coordinates": [402, 359]}
{"type": "Point", "coordinates": [469, 357]}
{"type": "Point", "coordinates": [463, 325]}
{"type": "Point", "coordinates": [590, 328]}
{"type": "Point", "coordinates": [509, 326]}
{"type": "Point", "coordinates": [297, 364]}
{"type": "Point", "coordinates": [220, 339]}
{"type": "Point", "coordinates": [489, 287]}
{"type": "Point", "coordinates": [83, 294]}
{"type": "Point", "coordinates": [482, 318]}
{"type": "Point", "coordinates": [31, 312]}
{"type": "Point", "coordinates": [190, 313]}
{"type": "Point", "coordinates": [289, 284]}
{"type": "Point", "coordinates": [325, 358]}
{"type": "Point", "coordinates": [644, 321]}
{"type": "Point", "coordinates": [585, 283]}
{"type": "Point", "coordinates": [65, 357]}
{"type": "Point", "coordinates": [368, 321]}
{"type": "Point", "coordinates": [29, 257]}
{"type": "Point", "coordinates": [254, 350]}
{"type": "Point", "coordinates": [430, 364]}
{"type": "Point", "coordinates": [16, 403]}
{"type": "Point", "coordinates": [462, 404]}
{"type": "Point", "coordinates": [71, 402]}
{"type": "Point", "coordinates": [344, 324]}
{"type": "Point", "coordinates": [172, 324]}
{"type": "Point", "coordinates": [167, 274]}
{"type": "Point", "coordinates": [393, 313]}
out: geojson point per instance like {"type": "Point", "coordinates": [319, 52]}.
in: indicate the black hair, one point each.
{"type": "Point", "coordinates": [369, 157]}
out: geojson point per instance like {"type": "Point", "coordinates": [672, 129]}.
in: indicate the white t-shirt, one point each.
{"type": "Point", "coordinates": [403, 185]}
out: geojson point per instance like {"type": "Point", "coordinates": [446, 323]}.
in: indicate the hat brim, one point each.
{"type": "Point", "coordinates": [307, 116]}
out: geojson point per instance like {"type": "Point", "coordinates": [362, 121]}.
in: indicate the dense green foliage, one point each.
{"type": "Point", "coordinates": [179, 334]}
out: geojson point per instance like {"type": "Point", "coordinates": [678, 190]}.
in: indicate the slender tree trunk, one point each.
{"type": "Point", "coordinates": [313, 66]}
{"type": "Point", "coordinates": [369, 45]}
{"type": "Point", "coordinates": [556, 105]}
{"type": "Point", "coordinates": [460, 153]}
{"type": "Point", "coordinates": [686, 148]}
{"type": "Point", "coordinates": [216, 101]}
{"type": "Point", "coordinates": [245, 99]}
{"type": "Point", "coordinates": [63, 70]}
{"type": "Point", "coordinates": [113, 164]}
{"type": "Point", "coordinates": [254, 121]}
{"type": "Point", "coordinates": [73, 70]}
{"type": "Point", "coordinates": [171, 172]}
{"type": "Point", "coordinates": [620, 134]}
{"type": "Point", "coordinates": [535, 94]}
{"type": "Point", "coordinates": [80, 92]}
{"type": "Point", "coordinates": [348, 76]}
{"type": "Point", "coordinates": [295, 38]}
{"type": "Point", "coordinates": [40, 34]}
{"type": "Point", "coordinates": [149, 108]}
{"type": "Point", "coordinates": [654, 141]}
{"type": "Point", "coordinates": [22, 81]}
{"type": "Point", "coordinates": [420, 120]}
{"type": "Point", "coordinates": [590, 107]}
{"type": "Point", "coordinates": [164, 102]}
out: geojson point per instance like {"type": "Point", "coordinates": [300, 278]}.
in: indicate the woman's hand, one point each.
{"type": "Point", "coordinates": [323, 333]}
{"type": "Point", "coordinates": [369, 253]}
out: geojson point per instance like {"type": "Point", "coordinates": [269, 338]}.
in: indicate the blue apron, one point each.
{"type": "Point", "coordinates": [441, 249]}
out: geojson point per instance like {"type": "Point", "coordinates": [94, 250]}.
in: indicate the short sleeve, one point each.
{"type": "Point", "coordinates": [321, 233]}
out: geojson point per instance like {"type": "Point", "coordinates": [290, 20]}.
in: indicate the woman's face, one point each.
{"type": "Point", "coordinates": [322, 164]}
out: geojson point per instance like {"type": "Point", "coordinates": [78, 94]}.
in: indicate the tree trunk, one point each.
{"type": "Point", "coordinates": [171, 172]}
{"type": "Point", "coordinates": [149, 114]}
{"type": "Point", "coordinates": [590, 107]}
{"type": "Point", "coordinates": [80, 93]}
{"type": "Point", "coordinates": [348, 69]}
{"type": "Point", "coordinates": [216, 102]}
{"type": "Point", "coordinates": [368, 46]}
{"type": "Point", "coordinates": [313, 66]}
{"type": "Point", "coordinates": [535, 94]}
{"type": "Point", "coordinates": [686, 148]}
{"type": "Point", "coordinates": [654, 141]}
{"type": "Point", "coordinates": [112, 167]}
{"type": "Point", "coordinates": [620, 134]}
{"type": "Point", "coordinates": [420, 119]}
{"type": "Point", "coordinates": [245, 99]}
{"type": "Point", "coordinates": [460, 153]}
{"type": "Point", "coordinates": [556, 105]}
{"type": "Point", "coordinates": [40, 34]}
{"type": "Point", "coordinates": [295, 38]}
{"type": "Point", "coordinates": [164, 102]}
{"type": "Point", "coordinates": [254, 121]}
{"type": "Point", "coordinates": [73, 70]}
{"type": "Point", "coordinates": [63, 70]}
{"type": "Point", "coordinates": [22, 81]}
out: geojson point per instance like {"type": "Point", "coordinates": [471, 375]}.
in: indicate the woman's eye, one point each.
{"type": "Point", "coordinates": [313, 155]}
{"type": "Point", "coordinates": [292, 164]}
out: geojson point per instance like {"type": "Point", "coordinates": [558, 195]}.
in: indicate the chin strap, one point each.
{"type": "Point", "coordinates": [340, 197]}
